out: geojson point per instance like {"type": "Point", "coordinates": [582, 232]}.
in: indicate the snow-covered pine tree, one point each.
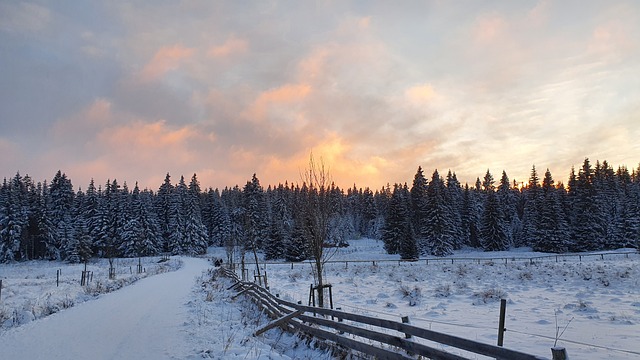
{"type": "Point", "coordinates": [630, 225]}
{"type": "Point", "coordinates": [609, 197]}
{"type": "Point", "coordinates": [281, 225]}
{"type": "Point", "coordinates": [60, 201]}
{"type": "Point", "coordinates": [471, 213]}
{"type": "Point", "coordinates": [437, 233]}
{"type": "Point", "coordinates": [163, 204]}
{"type": "Point", "coordinates": [176, 226]}
{"type": "Point", "coordinates": [455, 196]}
{"type": "Point", "coordinates": [219, 225]}
{"type": "Point", "coordinates": [195, 233]}
{"type": "Point", "coordinates": [369, 213]}
{"type": "Point", "coordinates": [587, 231]}
{"type": "Point", "coordinates": [554, 233]}
{"type": "Point", "coordinates": [256, 223]}
{"type": "Point", "coordinates": [530, 235]}
{"type": "Point", "coordinates": [397, 234]}
{"type": "Point", "coordinates": [418, 204]}
{"type": "Point", "coordinates": [14, 219]}
{"type": "Point", "coordinates": [508, 201]}
{"type": "Point", "coordinates": [492, 234]}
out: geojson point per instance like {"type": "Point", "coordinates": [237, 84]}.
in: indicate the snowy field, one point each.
{"type": "Point", "coordinates": [594, 300]}
{"type": "Point", "coordinates": [33, 289]}
{"type": "Point", "coordinates": [597, 299]}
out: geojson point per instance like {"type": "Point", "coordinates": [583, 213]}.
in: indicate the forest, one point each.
{"type": "Point", "coordinates": [598, 209]}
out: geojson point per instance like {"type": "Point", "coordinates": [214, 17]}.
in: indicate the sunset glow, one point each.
{"type": "Point", "coordinates": [227, 89]}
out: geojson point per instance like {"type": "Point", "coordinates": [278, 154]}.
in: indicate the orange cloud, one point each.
{"type": "Point", "coordinates": [147, 137]}
{"type": "Point", "coordinates": [165, 60]}
{"type": "Point", "coordinates": [232, 46]}
{"type": "Point", "coordinates": [420, 94]}
{"type": "Point", "coordinates": [272, 99]}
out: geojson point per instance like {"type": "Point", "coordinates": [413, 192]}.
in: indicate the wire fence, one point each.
{"type": "Point", "coordinates": [453, 260]}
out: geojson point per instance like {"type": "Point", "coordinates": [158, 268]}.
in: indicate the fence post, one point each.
{"type": "Point", "coordinates": [0, 289]}
{"type": "Point", "coordinates": [559, 353]}
{"type": "Point", "coordinates": [57, 278]}
{"type": "Point", "coordinates": [501, 329]}
{"type": "Point", "coordinates": [405, 320]}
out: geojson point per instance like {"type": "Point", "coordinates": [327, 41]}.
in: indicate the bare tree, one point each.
{"type": "Point", "coordinates": [317, 214]}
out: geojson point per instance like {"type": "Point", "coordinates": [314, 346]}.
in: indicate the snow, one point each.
{"type": "Point", "coordinates": [142, 321]}
{"type": "Point", "coordinates": [598, 300]}
{"type": "Point", "coordinates": [190, 314]}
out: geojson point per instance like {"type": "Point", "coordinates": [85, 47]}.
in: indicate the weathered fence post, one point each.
{"type": "Point", "coordinates": [501, 329]}
{"type": "Point", "coordinates": [0, 289]}
{"type": "Point", "coordinates": [559, 353]}
{"type": "Point", "coordinates": [405, 320]}
{"type": "Point", "coordinates": [58, 278]}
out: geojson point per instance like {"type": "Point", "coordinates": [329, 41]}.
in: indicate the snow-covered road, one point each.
{"type": "Point", "coordinates": [141, 321]}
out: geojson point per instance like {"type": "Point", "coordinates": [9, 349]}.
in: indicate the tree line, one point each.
{"type": "Point", "coordinates": [599, 209]}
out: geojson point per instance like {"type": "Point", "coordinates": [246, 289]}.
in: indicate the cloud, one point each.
{"type": "Point", "coordinates": [166, 59]}
{"type": "Point", "coordinates": [278, 102]}
{"type": "Point", "coordinates": [91, 119]}
{"type": "Point", "coordinates": [420, 94]}
{"type": "Point", "coordinates": [232, 46]}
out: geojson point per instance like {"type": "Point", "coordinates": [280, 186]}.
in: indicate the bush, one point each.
{"type": "Point", "coordinates": [442, 290]}
{"type": "Point", "coordinates": [489, 295]}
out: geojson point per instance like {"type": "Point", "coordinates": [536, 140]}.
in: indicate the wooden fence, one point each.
{"type": "Point", "coordinates": [379, 338]}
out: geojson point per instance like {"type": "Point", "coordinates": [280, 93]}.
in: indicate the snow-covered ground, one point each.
{"type": "Point", "coordinates": [182, 314]}
{"type": "Point", "coordinates": [33, 289]}
{"type": "Point", "coordinates": [597, 299]}
{"type": "Point", "coordinates": [190, 313]}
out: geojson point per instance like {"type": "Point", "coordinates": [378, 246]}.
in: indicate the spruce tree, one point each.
{"type": "Point", "coordinates": [396, 233]}
{"type": "Point", "coordinates": [587, 232]}
{"type": "Point", "coordinates": [455, 198]}
{"type": "Point", "coordinates": [554, 234]}
{"type": "Point", "coordinates": [529, 236]}
{"type": "Point", "coordinates": [418, 201]}
{"type": "Point", "coordinates": [508, 202]}
{"type": "Point", "coordinates": [437, 231]}
{"type": "Point", "coordinates": [492, 234]}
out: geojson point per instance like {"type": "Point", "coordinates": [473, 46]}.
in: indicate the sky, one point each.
{"type": "Point", "coordinates": [133, 90]}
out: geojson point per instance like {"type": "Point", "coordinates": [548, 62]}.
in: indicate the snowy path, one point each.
{"type": "Point", "coordinates": [141, 321]}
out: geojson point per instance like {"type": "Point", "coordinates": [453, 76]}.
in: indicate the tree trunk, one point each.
{"type": "Point", "coordinates": [320, 284]}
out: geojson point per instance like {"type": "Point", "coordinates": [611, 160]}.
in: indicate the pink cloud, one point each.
{"type": "Point", "coordinates": [273, 99]}
{"type": "Point", "coordinates": [489, 28]}
{"type": "Point", "coordinates": [166, 59]}
{"type": "Point", "coordinates": [91, 119]}
{"type": "Point", "coordinates": [231, 46]}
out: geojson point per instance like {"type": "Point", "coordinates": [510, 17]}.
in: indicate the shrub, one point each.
{"type": "Point", "coordinates": [489, 295]}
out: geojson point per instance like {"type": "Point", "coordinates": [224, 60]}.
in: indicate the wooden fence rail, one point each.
{"type": "Point", "coordinates": [375, 337]}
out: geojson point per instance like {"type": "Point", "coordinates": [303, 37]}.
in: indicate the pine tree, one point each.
{"type": "Point", "coordinates": [455, 197]}
{"type": "Point", "coordinates": [507, 202]}
{"type": "Point", "coordinates": [195, 233]}
{"type": "Point", "coordinates": [396, 233]}
{"type": "Point", "coordinates": [554, 234]}
{"type": "Point", "coordinates": [163, 203]}
{"type": "Point", "coordinates": [530, 235]}
{"type": "Point", "coordinates": [586, 227]}
{"type": "Point", "coordinates": [418, 198]}
{"type": "Point", "coordinates": [177, 223]}
{"type": "Point", "coordinates": [493, 236]}
{"type": "Point", "coordinates": [281, 225]}
{"type": "Point", "coordinates": [437, 231]}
